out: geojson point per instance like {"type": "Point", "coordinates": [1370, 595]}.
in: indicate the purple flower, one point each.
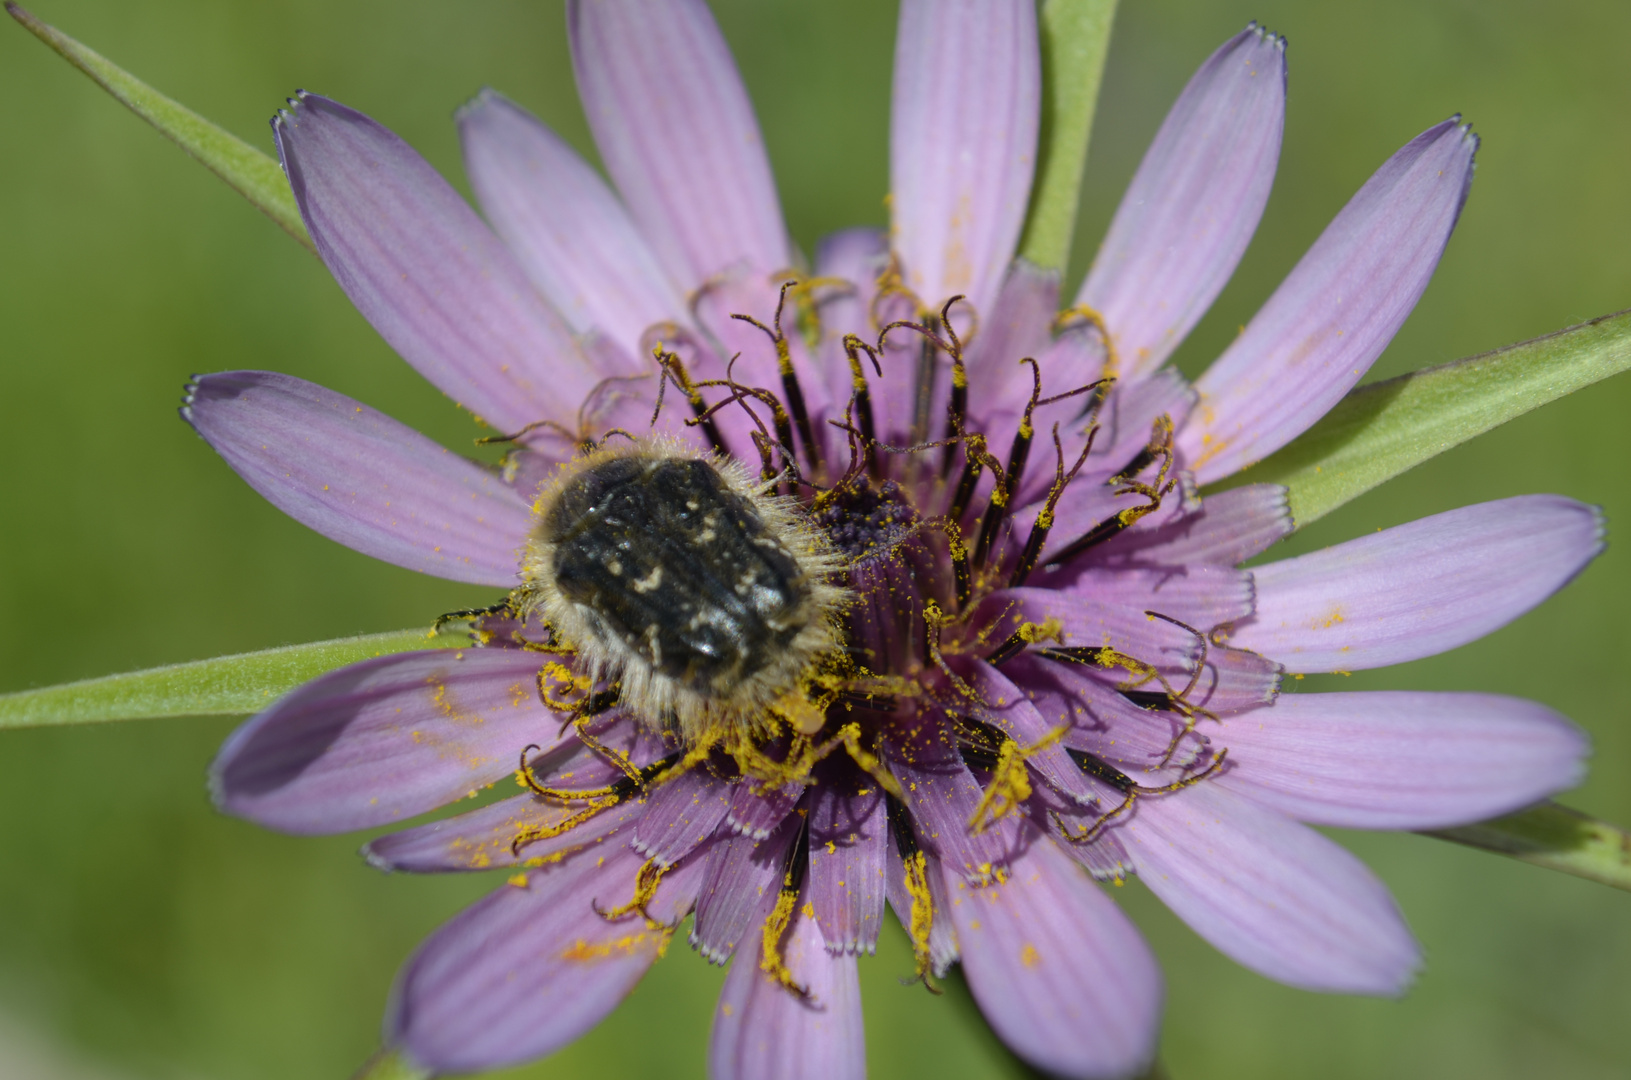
{"type": "Point", "coordinates": [1000, 645]}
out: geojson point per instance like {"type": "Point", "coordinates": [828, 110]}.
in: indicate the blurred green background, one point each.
{"type": "Point", "coordinates": [142, 935]}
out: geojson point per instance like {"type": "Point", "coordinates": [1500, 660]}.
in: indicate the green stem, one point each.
{"type": "Point", "coordinates": [245, 683]}
{"type": "Point", "coordinates": [1555, 837]}
{"type": "Point", "coordinates": [1386, 428]}
{"type": "Point", "coordinates": [1075, 37]}
{"type": "Point", "coordinates": [252, 174]}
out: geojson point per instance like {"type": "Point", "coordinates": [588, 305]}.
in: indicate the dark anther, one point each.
{"type": "Point", "coordinates": [900, 825]}
{"type": "Point", "coordinates": [979, 744]}
{"type": "Point", "coordinates": [1160, 448]}
{"type": "Point", "coordinates": [862, 396]}
{"type": "Point", "coordinates": [503, 608]}
{"type": "Point", "coordinates": [674, 368]}
{"type": "Point", "coordinates": [1008, 649]}
{"type": "Point", "coordinates": [790, 382]}
{"type": "Point", "coordinates": [1158, 700]}
{"type": "Point", "coordinates": [1044, 520]}
{"type": "Point", "coordinates": [1099, 769]}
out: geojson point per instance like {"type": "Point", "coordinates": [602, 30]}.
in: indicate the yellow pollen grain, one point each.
{"type": "Point", "coordinates": [1029, 956]}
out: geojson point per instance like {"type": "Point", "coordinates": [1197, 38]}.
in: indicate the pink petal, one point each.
{"type": "Point", "coordinates": [529, 968]}
{"type": "Point", "coordinates": [1193, 205]}
{"type": "Point", "coordinates": [385, 739]}
{"type": "Point", "coordinates": [1337, 310]}
{"type": "Point", "coordinates": [962, 146]}
{"type": "Point", "coordinates": [741, 878]}
{"type": "Point", "coordinates": [763, 1030]}
{"type": "Point", "coordinates": [1422, 588]}
{"type": "Point", "coordinates": [423, 269]}
{"type": "Point", "coordinates": [1059, 972]}
{"type": "Point", "coordinates": [1273, 895]}
{"type": "Point", "coordinates": [1401, 760]}
{"type": "Point", "coordinates": [1229, 528]}
{"type": "Point", "coordinates": [566, 226]}
{"type": "Point", "coordinates": [680, 815]}
{"type": "Point", "coordinates": [848, 831]}
{"type": "Point", "coordinates": [677, 133]}
{"type": "Point", "coordinates": [361, 478]}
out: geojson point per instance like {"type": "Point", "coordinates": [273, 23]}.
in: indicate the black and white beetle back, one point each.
{"type": "Point", "coordinates": [697, 589]}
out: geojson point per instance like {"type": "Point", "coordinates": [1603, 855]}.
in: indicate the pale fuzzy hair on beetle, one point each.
{"type": "Point", "coordinates": [583, 569]}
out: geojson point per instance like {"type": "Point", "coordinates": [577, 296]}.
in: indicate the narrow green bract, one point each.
{"type": "Point", "coordinates": [254, 175]}
{"type": "Point", "coordinates": [239, 684]}
{"type": "Point", "coordinates": [1386, 428]}
{"type": "Point", "coordinates": [1557, 838]}
{"type": "Point", "coordinates": [1075, 36]}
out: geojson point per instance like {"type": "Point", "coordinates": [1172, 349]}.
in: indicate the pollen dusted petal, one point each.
{"type": "Point", "coordinates": [942, 935]}
{"type": "Point", "coordinates": [1418, 589]}
{"type": "Point", "coordinates": [943, 796]}
{"type": "Point", "coordinates": [1088, 623]}
{"type": "Point", "coordinates": [1271, 894]}
{"type": "Point", "coordinates": [1009, 710]}
{"type": "Point", "coordinates": [425, 271]}
{"type": "Point", "coordinates": [361, 478]}
{"type": "Point", "coordinates": [1337, 309]}
{"type": "Point", "coordinates": [680, 815]}
{"type": "Point", "coordinates": [531, 967]}
{"type": "Point", "coordinates": [847, 887]}
{"type": "Point", "coordinates": [962, 142]}
{"type": "Point", "coordinates": [383, 740]}
{"type": "Point", "coordinates": [482, 839]}
{"type": "Point", "coordinates": [1105, 724]}
{"type": "Point", "coordinates": [566, 226]}
{"type": "Point", "coordinates": [739, 886]}
{"type": "Point", "coordinates": [1057, 969]}
{"type": "Point", "coordinates": [1398, 760]}
{"type": "Point", "coordinates": [1194, 203]}
{"type": "Point", "coordinates": [762, 1030]}
{"type": "Point", "coordinates": [677, 133]}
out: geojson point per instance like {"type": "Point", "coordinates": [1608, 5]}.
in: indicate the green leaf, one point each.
{"type": "Point", "coordinates": [1557, 838]}
{"type": "Point", "coordinates": [391, 1065]}
{"type": "Point", "coordinates": [244, 683]}
{"type": "Point", "coordinates": [1386, 428]}
{"type": "Point", "coordinates": [252, 174]}
{"type": "Point", "coordinates": [1075, 36]}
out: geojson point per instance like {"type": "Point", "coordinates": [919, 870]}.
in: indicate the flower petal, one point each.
{"type": "Point", "coordinates": [680, 815]}
{"type": "Point", "coordinates": [485, 839]}
{"type": "Point", "coordinates": [566, 226]}
{"type": "Point", "coordinates": [423, 269]}
{"type": "Point", "coordinates": [1273, 895]}
{"type": "Point", "coordinates": [676, 130]}
{"type": "Point", "coordinates": [756, 814]}
{"type": "Point", "coordinates": [1059, 972]}
{"type": "Point", "coordinates": [1401, 760]}
{"type": "Point", "coordinates": [1337, 310]}
{"type": "Point", "coordinates": [1229, 528]}
{"type": "Point", "coordinates": [530, 967]}
{"type": "Point", "coordinates": [1194, 203]}
{"type": "Point", "coordinates": [962, 143]}
{"type": "Point", "coordinates": [763, 1030]}
{"type": "Point", "coordinates": [361, 478]}
{"type": "Point", "coordinates": [942, 795]}
{"type": "Point", "coordinates": [382, 740]}
{"type": "Point", "coordinates": [1419, 589]}
{"type": "Point", "coordinates": [848, 831]}
{"type": "Point", "coordinates": [741, 873]}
